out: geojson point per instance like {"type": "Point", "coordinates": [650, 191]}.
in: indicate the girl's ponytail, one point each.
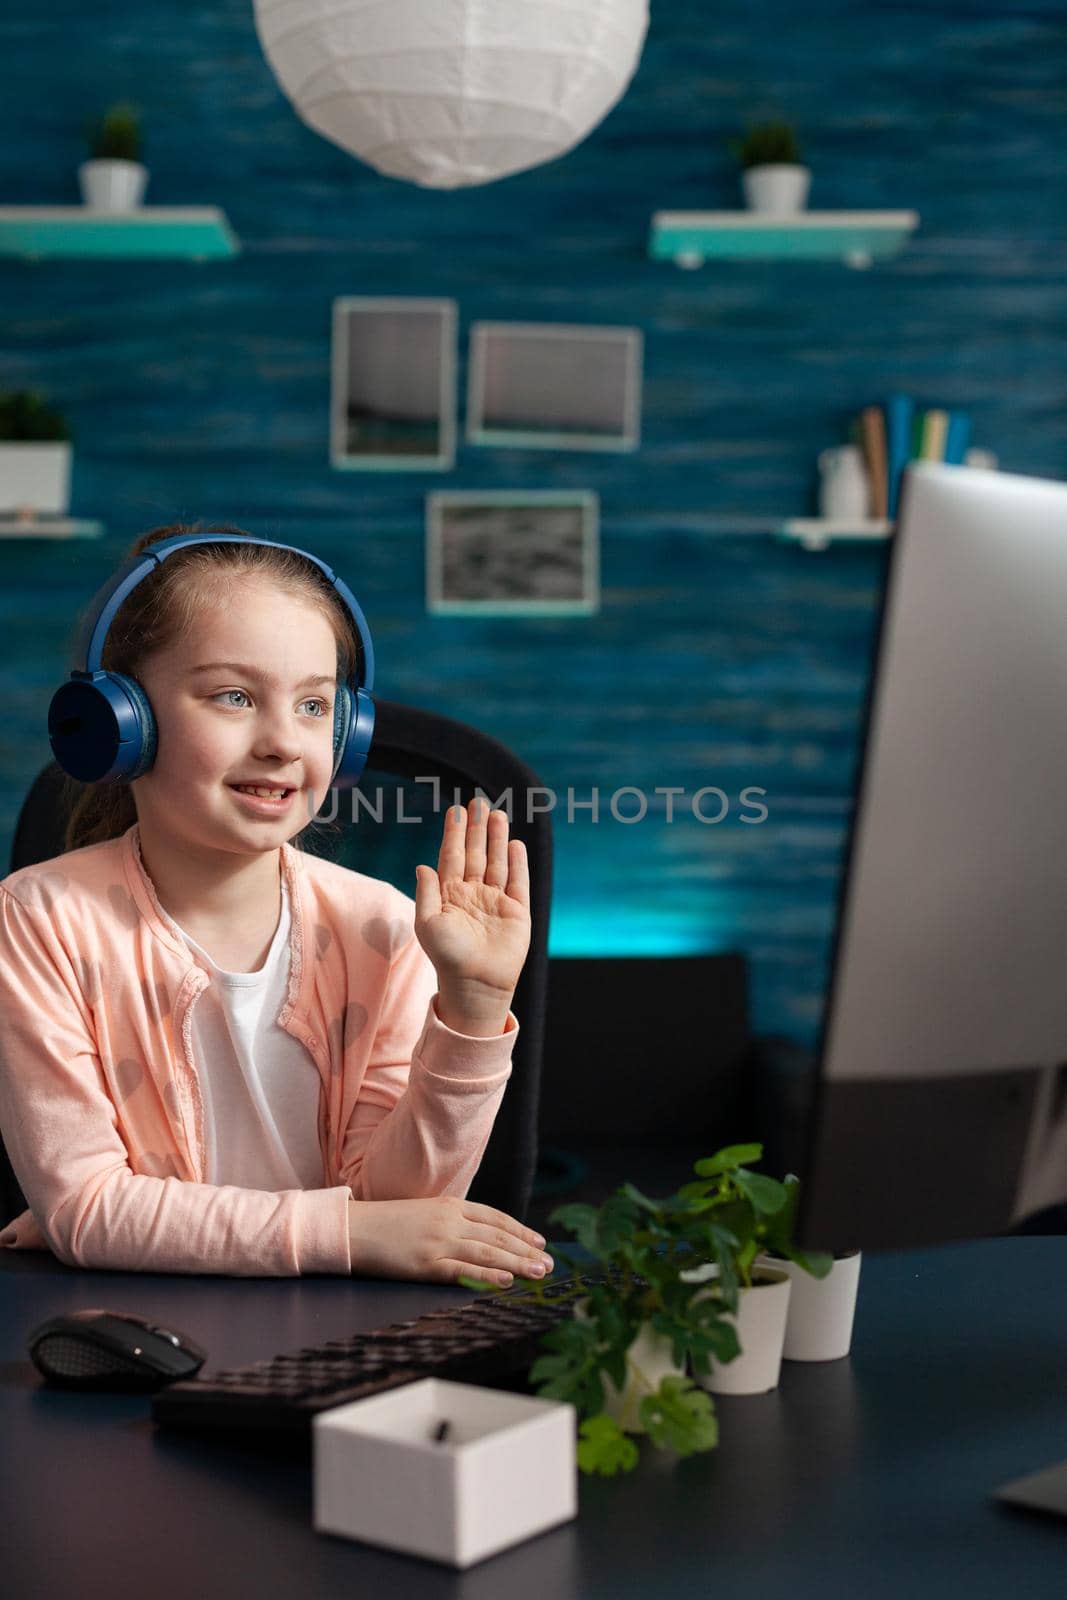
{"type": "Point", "coordinates": [100, 811]}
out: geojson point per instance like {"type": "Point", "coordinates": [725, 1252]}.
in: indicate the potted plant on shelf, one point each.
{"type": "Point", "coordinates": [621, 1360]}
{"type": "Point", "coordinates": [113, 179]}
{"type": "Point", "coordinates": [822, 1303]}
{"type": "Point", "coordinates": [774, 178]}
{"type": "Point", "coordinates": [35, 456]}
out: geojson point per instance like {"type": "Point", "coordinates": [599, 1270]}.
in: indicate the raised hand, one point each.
{"type": "Point", "coordinates": [472, 917]}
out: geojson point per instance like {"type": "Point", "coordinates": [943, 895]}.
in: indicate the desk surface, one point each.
{"type": "Point", "coordinates": [868, 1476]}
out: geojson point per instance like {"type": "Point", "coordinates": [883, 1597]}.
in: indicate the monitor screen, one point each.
{"type": "Point", "coordinates": [940, 1110]}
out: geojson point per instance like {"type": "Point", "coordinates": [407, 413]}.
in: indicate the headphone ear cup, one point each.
{"type": "Point", "coordinates": [102, 728]}
{"type": "Point", "coordinates": [342, 721]}
{"type": "Point", "coordinates": [352, 745]}
{"type": "Point", "coordinates": [139, 762]}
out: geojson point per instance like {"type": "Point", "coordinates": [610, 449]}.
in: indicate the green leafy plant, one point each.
{"type": "Point", "coordinates": [759, 1213]}
{"type": "Point", "coordinates": [26, 418]}
{"type": "Point", "coordinates": [781, 1229]}
{"type": "Point", "coordinates": [765, 143]}
{"type": "Point", "coordinates": [727, 1216]}
{"type": "Point", "coordinates": [116, 136]}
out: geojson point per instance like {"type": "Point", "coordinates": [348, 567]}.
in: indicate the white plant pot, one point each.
{"type": "Point", "coordinates": [762, 1312]}
{"type": "Point", "coordinates": [648, 1361]}
{"type": "Point", "coordinates": [35, 478]}
{"type": "Point", "coordinates": [112, 185]}
{"type": "Point", "coordinates": [777, 186]}
{"type": "Point", "coordinates": [821, 1310]}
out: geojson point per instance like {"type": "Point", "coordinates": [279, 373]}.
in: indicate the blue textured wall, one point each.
{"type": "Point", "coordinates": [717, 658]}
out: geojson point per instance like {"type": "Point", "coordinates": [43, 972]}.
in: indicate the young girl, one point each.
{"type": "Point", "coordinates": [218, 1051]}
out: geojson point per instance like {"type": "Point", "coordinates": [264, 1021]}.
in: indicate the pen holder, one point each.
{"type": "Point", "coordinates": [505, 1469]}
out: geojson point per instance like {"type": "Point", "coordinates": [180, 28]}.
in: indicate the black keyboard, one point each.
{"type": "Point", "coordinates": [492, 1340]}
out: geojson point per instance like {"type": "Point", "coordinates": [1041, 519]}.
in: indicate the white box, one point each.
{"type": "Point", "coordinates": [507, 1470]}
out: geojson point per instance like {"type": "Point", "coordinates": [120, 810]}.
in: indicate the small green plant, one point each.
{"type": "Point", "coordinates": [116, 136]}
{"type": "Point", "coordinates": [727, 1216]}
{"type": "Point", "coordinates": [26, 418]}
{"type": "Point", "coordinates": [765, 143]}
{"type": "Point", "coordinates": [759, 1213]}
{"type": "Point", "coordinates": [781, 1228]}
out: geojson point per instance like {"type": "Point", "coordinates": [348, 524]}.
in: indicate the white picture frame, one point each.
{"type": "Point", "coordinates": [554, 386]}
{"type": "Point", "coordinates": [393, 384]}
{"type": "Point", "coordinates": [513, 553]}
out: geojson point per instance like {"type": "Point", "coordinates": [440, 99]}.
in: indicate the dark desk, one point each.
{"type": "Point", "coordinates": [866, 1477]}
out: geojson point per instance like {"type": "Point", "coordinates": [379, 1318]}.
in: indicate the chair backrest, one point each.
{"type": "Point", "coordinates": [419, 763]}
{"type": "Point", "coordinates": [645, 1050]}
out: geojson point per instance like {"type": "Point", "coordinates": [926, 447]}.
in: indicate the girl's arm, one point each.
{"type": "Point", "coordinates": [60, 1125]}
{"type": "Point", "coordinates": [429, 1098]}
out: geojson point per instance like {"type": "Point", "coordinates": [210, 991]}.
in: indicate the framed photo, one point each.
{"type": "Point", "coordinates": [528, 553]}
{"type": "Point", "coordinates": [393, 384]}
{"type": "Point", "coordinates": [554, 386]}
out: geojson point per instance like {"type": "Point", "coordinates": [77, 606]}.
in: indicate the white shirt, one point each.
{"type": "Point", "coordinates": [260, 1086]}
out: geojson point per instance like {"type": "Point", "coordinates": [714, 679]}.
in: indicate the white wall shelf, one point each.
{"type": "Point", "coordinates": [816, 533]}
{"type": "Point", "coordinates": [49, 528]}
{"type": "Point", "coordinates": [858, 238]}
{"type": "Point", "coordinates": [193, 233]}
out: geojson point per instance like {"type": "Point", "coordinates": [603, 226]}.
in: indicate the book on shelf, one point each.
{"type": "Point", "coordinates": [958, 439]}
{"type": "Point", "coordinates": [897, 432]}
{"type": "Point", "coordinates": [934, 432]}
{"type": "Point", "coordinates": [899, 415]}
{"type": "Point", "coordinates": [872, 439]}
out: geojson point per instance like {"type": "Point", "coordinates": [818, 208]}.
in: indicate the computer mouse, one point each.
{"type": "Point", "coordinates": [100, 1349]}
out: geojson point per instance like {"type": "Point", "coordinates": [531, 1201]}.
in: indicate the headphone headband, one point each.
{"type": "Point", "coordinates": [119, 587]}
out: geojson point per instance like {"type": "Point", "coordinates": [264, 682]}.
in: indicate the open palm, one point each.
{"type": "Point", "coordinates": [472, 916]}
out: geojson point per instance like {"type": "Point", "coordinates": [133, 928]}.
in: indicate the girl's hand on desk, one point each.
{"type": "Point", "coordinates": [440, 1239]}
{"type": "Point", "coordinates": [472, 918]}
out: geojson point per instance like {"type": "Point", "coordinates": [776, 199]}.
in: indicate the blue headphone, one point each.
{"type": "Point", "coordinates": [101, 726]}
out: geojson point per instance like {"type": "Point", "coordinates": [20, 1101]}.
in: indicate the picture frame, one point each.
{"type": "Point", "coordinates": [517, 553]}
{"type": "Point", "coordinates": [393, 384]}
{"type": "Point", "coordinates": [557, 386]}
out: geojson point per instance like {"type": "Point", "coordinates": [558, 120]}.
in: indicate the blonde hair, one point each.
{"type": "Point", "coordinates": [161, 611]}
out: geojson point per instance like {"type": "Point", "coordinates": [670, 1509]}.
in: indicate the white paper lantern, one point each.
{"type": "Point", "coordinates": [453, 92]}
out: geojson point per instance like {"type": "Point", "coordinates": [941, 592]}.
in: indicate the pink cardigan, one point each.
{"type": "Point", "coordinates": [100, 1103]}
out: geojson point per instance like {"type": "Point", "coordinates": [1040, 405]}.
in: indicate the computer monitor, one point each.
{"type": "Point", "coordinates": [940, 1110]}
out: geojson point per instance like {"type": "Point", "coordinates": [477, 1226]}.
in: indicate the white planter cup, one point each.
{"type": "Point", "coordinates": [777, 186]}
{"type": "Point", "coordinates": [648, 1361]}
{"type": "Point", "coordinates": [112, 185]}
{"type": "Point", "coordinates": [35, 478]}
{"type": "Point", "coordinates": [762, 1312]}
{"type": "Point", "coordinates": [821, 1310]}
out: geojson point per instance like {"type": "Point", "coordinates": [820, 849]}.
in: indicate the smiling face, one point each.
{"type": "Point", "coordinates": [265, 719]}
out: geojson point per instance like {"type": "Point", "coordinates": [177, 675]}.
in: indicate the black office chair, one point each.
{"type": "Point", "coordinates": [409, 745]}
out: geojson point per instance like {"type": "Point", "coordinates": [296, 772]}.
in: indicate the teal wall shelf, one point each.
{"type": "Point", "coordinates": [816, 533]}
{"type": "Point", "coordinates": [689, 238]}
{"type": "Point", "coordinates": [49, 528]}
{"type": "Point", "coordinates": [196, 233]}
